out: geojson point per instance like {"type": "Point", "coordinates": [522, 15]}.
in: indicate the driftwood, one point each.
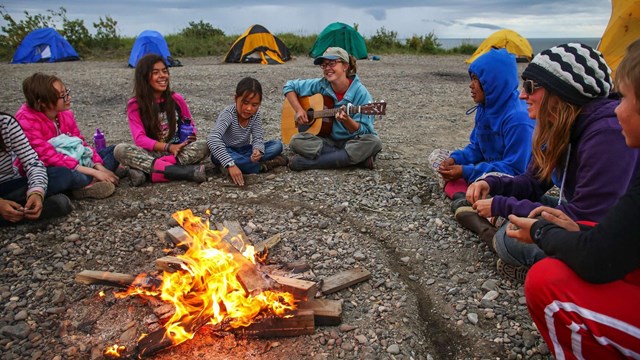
{"type": "Point", "coordinates": [344, 279]}
{"type": "Point", "coordinates": [91, 277]}
{"type": "Point", "coordinates": [268, 244]}
{"type": "Point", "coordinates": [326, 312]}
{"type": "Point", "coordinates": [301, 289]}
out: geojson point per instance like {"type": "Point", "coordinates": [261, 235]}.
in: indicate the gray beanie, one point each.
{"type": "Point", "coordinates": [575, 72]}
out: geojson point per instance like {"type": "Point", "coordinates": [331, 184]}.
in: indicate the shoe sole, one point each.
{"type": "Point", "coordinates": [511, 272]}
{"type": "Point", "coordinates": [99, 190]}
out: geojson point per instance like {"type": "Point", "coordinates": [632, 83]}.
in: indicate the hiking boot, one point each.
{"type": "Point", "coordinates": [277, 161]}
{"type": "Point", "coordinates": [459, 199]}
{"type": "Point", "coordinates": [511, 272]}
{"type": "Point", "coordinates": [368, 163]}
{"type": "Point", "coordinates": [469, 219]}
{"type": "Point", "coordinates": [185, 172]}
{"type": "Point", "coordinates": [96, 190]}
{"type": "Point", "coordinates": [56, 206]}
{"type": "Point", "coordinates": [138, 177]}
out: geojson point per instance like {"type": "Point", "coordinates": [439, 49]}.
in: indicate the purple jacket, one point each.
{"type": "Point", "coordinates": [601, 166]}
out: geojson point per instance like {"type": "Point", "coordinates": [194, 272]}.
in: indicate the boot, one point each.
{"type": "Point", "coordinates": [333, 160]}
{"type": "Point", "coordinates": [158, 166]}
{"type": "Point", "coordinates": [469, 219]}
{"type": "Point", "coordinates": [459, 199]}
{"type": "Point", "coordinates": [55, 206]}
{"type": "Point", "coordinates": [185, 172]}
{"type": "Point", "coordinates": [277, 161]}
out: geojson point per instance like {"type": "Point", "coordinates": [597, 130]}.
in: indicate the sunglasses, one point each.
{"type": "Point", "coordinates": [530, 86]}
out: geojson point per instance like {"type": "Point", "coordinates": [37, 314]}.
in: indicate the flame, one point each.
{"type": "Point", "coordinates": [101, 293]}
{"type": "Point", "coordinates": [114, 351]}
{"type": "Point", "coordinates": [207, 289]}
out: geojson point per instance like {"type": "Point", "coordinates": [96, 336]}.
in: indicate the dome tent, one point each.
{"type": "Point", "coordinates": [151, 42]}
{"type": "Point", "coordinates": [623, 28]}
{"type": "Point", "coordinates": [340, 35]}
{"type": "Point", "coordinates": [44, 45]}
{"type": "Point", "coordinates": [505, 39]}
{"type": "Point", "coordinates": [258, 45]}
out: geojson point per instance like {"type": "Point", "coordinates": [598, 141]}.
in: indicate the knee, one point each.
{"type": "Point", "coordinates": [119, 152]}
{"type": "Point", "coordinates": [545, 278]}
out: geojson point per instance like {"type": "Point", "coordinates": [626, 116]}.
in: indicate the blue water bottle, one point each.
{"type": "Point", "coordinates": [99, 141]}
{"type": "Point", "coordinates": [186, 130]}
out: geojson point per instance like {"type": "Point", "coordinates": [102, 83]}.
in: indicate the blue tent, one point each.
{"type": "Point", "coordinates": [149, 42]}
{"type": "Point", "coordinates": [44, 45]}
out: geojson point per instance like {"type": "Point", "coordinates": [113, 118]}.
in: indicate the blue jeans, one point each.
{"type": "Point", "coordinates": [242, 156]}
{"type": "Point", "coordinates": [80, 180]}
{"type": "Point", "coordinates": [517, 253]}
{"type": "Point", "coordinates": [60, 180]}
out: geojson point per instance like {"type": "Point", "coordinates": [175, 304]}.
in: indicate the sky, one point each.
{"type": "Point", "coordinates": [465, 19]}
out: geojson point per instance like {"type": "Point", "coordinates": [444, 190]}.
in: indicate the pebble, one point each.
{"type": "Point", "coordinates": [393, 349]}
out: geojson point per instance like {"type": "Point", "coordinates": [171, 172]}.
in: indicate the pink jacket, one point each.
{"type": "Point", "coordinates": [39, 129]}
{"type": "Point", "coordinates": [138, 133]}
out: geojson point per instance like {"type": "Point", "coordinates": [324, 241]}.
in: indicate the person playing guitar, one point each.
{"type": "Point", "coordinates": [352, 140]}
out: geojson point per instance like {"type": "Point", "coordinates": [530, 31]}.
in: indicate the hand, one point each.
{"type": "Point", "coordinates": [236, 175]}
{"type": "Point", "coordinates": [191, 138]}
{"type": "Point", "coordinates": [175, 149]}
{"type": "Point", "coordinates": [33, 207]}
{"type": "Point", "coordinates": [555, 216]}
{"type": "Point", "coordinates": [342, 115]}
{"type": "Point", "coordinates": [11, 211]}
{"type": "Point", "coordinates": [104, 174]}
{"type": "Point", "coordinates": [483, 207]}
{"type": "Point", "coordinates": [301, 118]}
{"type": "Point", "coordinates": [447, 162]}
{"type": "Point", "coordinates": [450, 172]}
{"type": "Point", "coordinates": [256, 155]}
{"type": "Point", "coordinates": [520, 228]}
{"type": "Point", "coordinates": [477, 190]}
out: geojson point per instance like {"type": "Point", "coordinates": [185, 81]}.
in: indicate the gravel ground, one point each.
{"type": "Point", "coordinates": [434, 292]}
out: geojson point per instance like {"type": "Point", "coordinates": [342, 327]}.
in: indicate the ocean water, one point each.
{"type": "Point", "coordinates": [537, 44]}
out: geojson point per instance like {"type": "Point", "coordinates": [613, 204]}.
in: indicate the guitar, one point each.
{"type": "Point", "coordinates": [320, 116]}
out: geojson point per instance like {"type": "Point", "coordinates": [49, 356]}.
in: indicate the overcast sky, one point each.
{"type": "Point", "coordinates": [446, 18]}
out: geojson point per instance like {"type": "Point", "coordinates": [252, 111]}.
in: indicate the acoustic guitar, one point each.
{"type": "Point", "coordinates": [320, 116]}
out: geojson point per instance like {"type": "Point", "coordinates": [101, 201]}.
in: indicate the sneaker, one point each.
{"type": "Point", "coordinates": [56, 206]}
{"type": "Point", "coordinates": [277, 161]}
{"type": "Point", "coordinates": [96, 190]}
{"type": "Point", "coordinates": [469, 219]}
{"type": "Point", "coordinates": [511, 272]}
{"type": "Point", "coordinates": [137, 177]}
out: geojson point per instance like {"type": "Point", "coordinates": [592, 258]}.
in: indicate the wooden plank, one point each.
{"type": "Point", "coordinates": [268, 244]}
{"type": "Point", "coordinates": [301, 289]}
{"type": "Point", "coordinates": [344, 279]}
{"type": "Point", "coordinates": [327, 312]}
{"type": "Point", "coordinates": [301, 323]}
{"type": "Point", "coordinates": [169, 263]}
{"type": "Point", "coordinates": [91, 277]}
{"type": "Point", "coordinates": [179, 237]}
{"type": "Point", "coordinates": [236, 236]}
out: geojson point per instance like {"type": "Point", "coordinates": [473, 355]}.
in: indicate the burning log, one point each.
{"type": "Point", "coordinates": [268, 244]}
{"type": "Point", "coordinates": [344, 279]}
{"type": "Point", "coordinates": [326, 312]}
{"type": "Point", "coordinates": [91, 277]}
{"type": "Point", "coordinates": [235, 235]}
{"type": "Point", "coordinates": [301, 322]}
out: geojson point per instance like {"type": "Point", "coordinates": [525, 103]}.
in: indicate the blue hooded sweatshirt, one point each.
{"type": "Point", "coordinates": [501, 138]}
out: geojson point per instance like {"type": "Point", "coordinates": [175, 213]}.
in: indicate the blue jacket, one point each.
{"type": "Point", "coordinates": [501, 138]}
{"type": "Point", "coordinates": [356, 94]}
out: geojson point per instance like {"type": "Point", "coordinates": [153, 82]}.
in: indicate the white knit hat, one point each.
{"type": "Point", "coordinates": [575, 72]}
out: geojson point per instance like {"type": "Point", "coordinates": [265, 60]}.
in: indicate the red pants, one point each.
{"type": "Point", "coordinates": [452, 187]}
{"type": "Point", "coordinates": [581, 320]}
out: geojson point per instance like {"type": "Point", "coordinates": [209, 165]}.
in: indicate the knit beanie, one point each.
{"type": "Point", "coordinates": [575, 72]}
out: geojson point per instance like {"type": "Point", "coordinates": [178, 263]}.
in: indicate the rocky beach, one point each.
{"type": "Point", "coordinates": [433, 293]}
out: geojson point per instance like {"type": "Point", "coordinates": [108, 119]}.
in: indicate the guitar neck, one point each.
{"type": "Point", "coordinates": [332, 112]}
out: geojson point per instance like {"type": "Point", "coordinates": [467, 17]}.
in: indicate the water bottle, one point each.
{"type": "Point", "coordinates": [99, 141]}
{"type": "Point", "coordinates": [186, 130]}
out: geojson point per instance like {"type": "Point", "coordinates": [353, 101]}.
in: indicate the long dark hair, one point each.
{"type": "Point", "coordinates": [146, 100]}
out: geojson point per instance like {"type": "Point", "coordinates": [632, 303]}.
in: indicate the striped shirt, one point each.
{"type": "Point", "coordinates": [17, 146]}
{"type": "Point", "coordinates": [228, 133]}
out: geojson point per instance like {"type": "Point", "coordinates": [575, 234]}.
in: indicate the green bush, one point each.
{"type": "Point", "coordinates": [200, 30]}
{"type": "Point", "coordinates": [298, 44]}
{"type": "Point", "coordinates": [384, 41]}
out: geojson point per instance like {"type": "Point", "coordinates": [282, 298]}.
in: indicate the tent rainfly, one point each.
{"type": "Point", "coordinates": [340, 35]}
{"type": "Point", "coordinates": [505, 39]}
{"type": "Point", "coordinates": [44, 45]}
{"type": "Point", "coordinates": [622, 30]}
{"type": "Point", "coordinates": [258, 45]}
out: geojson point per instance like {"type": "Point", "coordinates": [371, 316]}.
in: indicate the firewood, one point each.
{"type": "Point", "coordinates": [301, 323]}
{"type": "Point", "coordinates": [179, 237]}
{"type": "Point", "coordinates": [301, 289]}
{"type": "Point", "coordinates": [169, 263]}
{"type": "Point", "coordinates": [236, 236]}
{"type": "Point", "coordinates": [91, 277]}
{"type": "Point", "coordinates": [344, 279]}
{"type": "Point", "coordinates": [326, 312]}
{"type": "Point", "coordinates": [268, 244]}
{"type": "Point", "coordinates": [297, 266]}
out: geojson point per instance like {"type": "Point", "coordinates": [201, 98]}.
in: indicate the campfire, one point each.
{"type": "Point", "coordinates": [220, 283]}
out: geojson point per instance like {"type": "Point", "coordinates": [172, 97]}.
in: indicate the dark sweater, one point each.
{"type": "Point", "coordinates": [601, 166]}
{"type": "Point", "coordinates": [605, 253]}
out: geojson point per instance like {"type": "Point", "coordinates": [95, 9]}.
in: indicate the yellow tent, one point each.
{"type": "Point", "coordinates": [258, 45]}
{"type": "Point", "coordinates": [507, 39]}
{"type": "Point", "coordinates": [622, 30]}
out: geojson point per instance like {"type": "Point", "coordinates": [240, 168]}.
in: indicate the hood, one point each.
{"type": "Point", "coordinates": [598, 113]}
{"type": "Point", "coordinates": [498, 74]}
